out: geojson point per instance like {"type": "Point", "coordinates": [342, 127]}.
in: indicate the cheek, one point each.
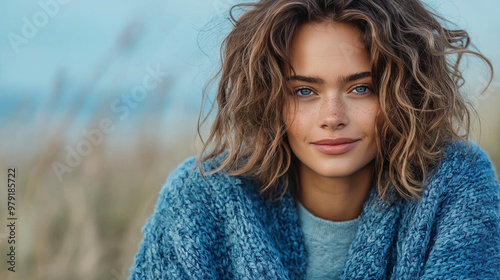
{"type": "Point", "coordinates": [296, 122]}
{"type": "Point", "coordinates": [371, 119]}
{"type": "Point", "coordinates": [367, 118]}
{"type": "Point", "coordinates": [292, 125]}
{"type": "Point", "coordinates": [288, 115]}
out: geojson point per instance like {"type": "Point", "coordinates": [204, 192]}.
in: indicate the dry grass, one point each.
{"type": "Point", "coordinates": [88, 226]}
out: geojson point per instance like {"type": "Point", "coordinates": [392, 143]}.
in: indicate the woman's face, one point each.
{"type": "Point", "coordinates": [332, 128]}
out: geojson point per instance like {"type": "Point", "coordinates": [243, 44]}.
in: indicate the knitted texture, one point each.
{"type": "Point", "coordinates": [219, 227]}
{"type": "Point", "coordinates": [327, 243]}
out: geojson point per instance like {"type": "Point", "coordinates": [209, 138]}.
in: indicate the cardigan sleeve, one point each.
{"type": "Point", "coordinates": [466, 243]}
{"type": "Point", "coordinates": [181, 237]}
{"type": "Point", "coordinates": [157, 258]}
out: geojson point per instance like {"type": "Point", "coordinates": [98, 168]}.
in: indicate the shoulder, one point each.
{"type": "Point", "coordinates": [187, 231]}
{"type": "Point", "coordinates": [464, 168]}
{"type": "Point", "coordinates": [459, 215]}
{"type": "Point", "coordinates": [459, 156]}
{"type": "Point", "coordinates": [189, 192]}
{"type": "Point", "coordinates": [188, 178]}
{"type": "Point", "coordinates": [465, 185]}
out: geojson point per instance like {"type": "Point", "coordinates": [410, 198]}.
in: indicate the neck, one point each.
{"type": "Point", "coordinates": [335, 199]}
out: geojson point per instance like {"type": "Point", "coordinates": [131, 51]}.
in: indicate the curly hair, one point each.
{"type": "Point", "coordinates": [415, 70]}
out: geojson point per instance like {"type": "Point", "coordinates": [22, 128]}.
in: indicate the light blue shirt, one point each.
{"type": "Point", "coordinates": [327, 244]}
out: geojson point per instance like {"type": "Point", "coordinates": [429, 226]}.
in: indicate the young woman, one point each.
{"type": "Point", "coordinates": [335, 154]}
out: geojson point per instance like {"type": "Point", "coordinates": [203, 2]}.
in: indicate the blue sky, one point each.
{"type": "Point", "coordinates": [81, 34]}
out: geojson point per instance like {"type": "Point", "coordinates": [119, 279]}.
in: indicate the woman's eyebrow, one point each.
{"type": "Point", "coordinates": [341, 80]}
{"type": "Point", "coordinates": [307, 79]}
{"type": "Point", "coordinates": [354, 77]}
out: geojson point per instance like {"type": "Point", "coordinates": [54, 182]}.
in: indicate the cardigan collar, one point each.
{"type": "Point", "coordinates": [372, 242]}
{"type": "Point", "coordinates": [374, 239]}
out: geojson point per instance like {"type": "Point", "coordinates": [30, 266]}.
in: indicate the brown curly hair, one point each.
{"type": "Point", "coordinates": [415, 71]}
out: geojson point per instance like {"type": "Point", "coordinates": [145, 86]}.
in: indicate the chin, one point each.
{"type": "Point", "coordinates": [342, 170]}
{"type": "Point", "coordinates": [337, 173]}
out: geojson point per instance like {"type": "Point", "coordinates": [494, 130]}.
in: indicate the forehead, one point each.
{"type": "Point", "coordinates": [316, 46]}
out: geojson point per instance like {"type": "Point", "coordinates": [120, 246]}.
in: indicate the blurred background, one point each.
{"type": "Point", "coordinates": [99, 102]}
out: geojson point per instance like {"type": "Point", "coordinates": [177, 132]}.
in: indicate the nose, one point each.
{"type": "Point", "coordinates": [333, 113]}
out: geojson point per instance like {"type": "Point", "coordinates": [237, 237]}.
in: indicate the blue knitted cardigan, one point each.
{"type": "Point", "coordinates": [219, 227]}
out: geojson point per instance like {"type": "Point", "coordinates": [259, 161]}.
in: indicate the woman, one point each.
{"type": "Point", "coordinates": [335, 153]}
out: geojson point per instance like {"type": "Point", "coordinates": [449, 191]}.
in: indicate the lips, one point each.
{"type": "Point", "coordinates": [335, 146]}
{"type": "Point", "coordinates": [336, 141]}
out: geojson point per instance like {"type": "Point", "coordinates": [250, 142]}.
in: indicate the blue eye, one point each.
{"type": "Point", "coordinates": [361, 90]}
{"type": "Point", "coordinates": [304, 92]}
